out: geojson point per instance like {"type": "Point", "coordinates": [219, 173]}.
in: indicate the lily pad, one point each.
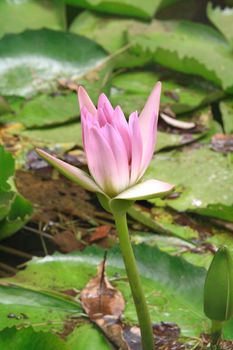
{"type": "Point", "coordinates": [132, 8]}
{"type": "Point", "coordinates": [45, 13]}
{"type": "Point", "coordinates": [186, 47]}
{"type": "Point", "coordinates": [222, 19]}
{"type": "Point", "coordinates": [29, 339]}
{"type": "Point", "coordinates": [169, 282]}
{"type": "Point", "coordinates": [108, 32]}
{"type": "Point", "coordinates": [46, 110]}
{"type": "Point", "coordinates": [70, 133]}
{"type": "Point", "coordinates": [15, 210]}
{"type": "Point", "coordinates": [87, 337]}
{"type": "Point", "coordinates": [24, 307]}
{"type": "Point", "coordinates": [132, 90]}
{"type": "Point", "coordinates": [202, 177]}
{"type": "Point", "coordinates": [26, 68]}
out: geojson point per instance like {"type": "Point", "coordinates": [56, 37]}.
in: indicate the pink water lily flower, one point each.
{"type": "Point", "coordinates": [118, 152]}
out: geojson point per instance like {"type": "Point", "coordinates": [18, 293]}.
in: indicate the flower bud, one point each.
{"type": "Point", "coordinates": [218, 289]}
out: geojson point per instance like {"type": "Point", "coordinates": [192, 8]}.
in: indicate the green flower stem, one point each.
{"type": "Point", "coordinates": [216, 332]}
{"type": "Point", "coordinates": [134, 281]}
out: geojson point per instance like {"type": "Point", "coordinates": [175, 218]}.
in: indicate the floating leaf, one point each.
{"type": "Point", "coordinates": [26, 68]}
{"type": "Point", "coordinates": [29, 339]}
{"type": "Point", "coordinates": [46, 110]}
{"type": "Point", "coordinates": [222, 19]}
{"type": "Point", "coordinates": [179, 93]}
{"type": "Point", "coordinates": [18, 215]}
{"type": "Point", "coordinates": [132, 8]}
{"type": "Point", "coordinates": [187, 47]}
{"type": "Point", "coordinates": [173, 287]}
{"type": "Point", "coordinates": [108, 32]}
{"type": "Point", "coordinates": [87, 337]}
{"type": "Point", "coordinates": [19, 15]}
{"type": "Point", "coordinates": [15, 211]}
{"type": "Point", "coordinates": [70, 133]}
{"type": "Point", "coordinates": [202, 177]}
{"type": "Point", "coordinates": [25, 307]}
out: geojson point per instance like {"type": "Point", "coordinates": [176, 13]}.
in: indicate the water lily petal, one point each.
{"type": "Point", "coordinates": [101, 162]}
{"type": "Point", "coordinates": [74, 174]}
{"type": "Point", "coordinates": [145, 190]}
{"type": "Point", "coordinates": [120, 124]}
{"type": "Point", "coordinates": [105, 105]}
{"type": "Point", "coordinates": [137, 147]}
{"type": "Point", "coordinates": [120, 153]}
{"type": "Point", "coordinates": [85, 101]}
{"type": "Point", "coordinates": [148, 125]}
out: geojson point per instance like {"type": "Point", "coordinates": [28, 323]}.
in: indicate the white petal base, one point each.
{"type": "Point", "coordinates": [145, 190]}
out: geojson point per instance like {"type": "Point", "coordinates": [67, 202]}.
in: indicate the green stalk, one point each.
{"type": "Point", "coordinates": [134, 281]}
{"type": "Point", "coordinates": [216, 332]}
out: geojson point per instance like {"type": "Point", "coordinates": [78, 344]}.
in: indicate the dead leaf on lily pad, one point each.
{"type": "Point", "coordinates": [99, 298]}
{"type": "Point", "coordinates": [104, 305]}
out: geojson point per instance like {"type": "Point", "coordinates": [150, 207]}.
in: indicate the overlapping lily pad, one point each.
{"type": "Point", "coordinates": [26, 67]}
{"type": "Point", "coordinates": [180, 95]}
{"type": "Point", "coordinates": [15, 210]}
{"type": "Point", "coordinates": [203, 180]}
{"type": "Point", "coordinates": [187, 47]}
{"type": "Point", "coordinates": [169, 282]}
{"type": "Point", "coordinates": [222, 19]}
{"type": "Point", "coordinates": [132, 8]}
{"type": "Point", "coordinates": [19, 15]}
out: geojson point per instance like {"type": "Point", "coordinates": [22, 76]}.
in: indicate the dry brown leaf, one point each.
{"type": "Point", "coordinates": [99, 298]}
{"type": "Point", "coordinates": [104, 305]}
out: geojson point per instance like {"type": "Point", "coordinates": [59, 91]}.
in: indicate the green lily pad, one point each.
{"type": "Point", "coordinates": [202, 177]}
{"type": "Point", "coordinates": [132, 8]}
{"type": "Point", "coordinates": [132, 90]}
{"type": "Point", "coordinates": [70, 133]}
{"type": "Point", "coordinates": [45, 13]}
{"type": "Point", "coordinates": [108, 32]}
{"type": "Point", "coordinates": [222, 19]}
{"type": "Point", "coordinates": [46, 110]}
{"type": "Point", "coordinates": [169, 282]}
{"type": "Point", "coordinates": [87, 337]}
{"type": "Point", "coordinates": [17, 216]}
{"type": "Point", "coordinates": [4, 106]}
{"type": "Point", "coordinates": [26, 68]}
{"type": "Point", "coordinates": [24, 307]}
{"type": "Point", "coordinates": [6, 200]}
{"type": "Point", "coordinates": [186, 47]}
{"type": "Point", "coordinates": [11, 339]}
{"type": "Point", "coordinates": [7, 167]}
{"type": "Point", "coordinates": [15, 210]}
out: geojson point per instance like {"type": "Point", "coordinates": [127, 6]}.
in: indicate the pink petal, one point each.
{"type": "Point", "coordinates": [119, 152]}
{"type": "Point", "coordinates": [148, 125]}
{"type": "Point", "coordinates": [74, 174]}
{"type": "Point", "coordinates": [119, 122]}
{"type": "Point", "coordinates": [106, 106]}
{"type": "Point", "coordinates": [145, 190]}
{"type": "Point", "coordinates": [85, 101]}
{"type": "Point", "coordinates": [101, 162]}
{"type": "Point", "coordinates": [136, 140]}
